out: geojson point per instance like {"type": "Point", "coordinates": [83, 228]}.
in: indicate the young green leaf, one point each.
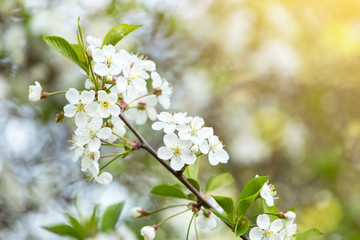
{"type": "Point", "coordinates": [241, 226]}
{"type": "Point", "coordinates": [111, 216]}
{"type": "Point", "coordinates": [63, 47]}
{"type": "Point", "coordinates": [80, 55]}
{"type": "Point", "coordinates": [220, 181]}
{"type": "Point", "coordinates": [225, 203]}
{"type": "Point", "coordinates": [76, 225]}
{"type": "Point", "coordinates": [117, 33]}
{"type": "Point", "coordinates": [250, 193]}
{"type": "Point", "coordinates": [194, 183]}
{"type": "Point", "coordinates": [168, 191]}
{"type": "Point", "coordinates": [309, 234]}
{"type": "Point", "coordinates": [293, 208]}
{"type": "Point", "coordinates": [64, 230]}
{"type": "Point", "coordinates": [267, 209]}
{"type": "Point", "coordinates": [91, 225]}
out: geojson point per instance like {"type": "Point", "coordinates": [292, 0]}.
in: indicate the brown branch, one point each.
{"type": "Point", "coordinates": [178, 174]}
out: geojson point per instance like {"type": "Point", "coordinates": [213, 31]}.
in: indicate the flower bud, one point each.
{"type": "Point", "coordinates": [35, 92]}
{"type": "Point", "coordinates": [90, 50]}
{"type": "Point", "coordinates": [138, 212]}
{"type": "Point", "coordinates": [59, 117]}
{"type": "Point", "coordinates": [132, 145]}
{"type": "Point", "coordinates": [289, 216]}
{"type": "Point", "coordinates": [148, 232]}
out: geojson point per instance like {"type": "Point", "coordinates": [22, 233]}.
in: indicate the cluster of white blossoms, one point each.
{"type": "Point", "coordinates": [276, 230]}
{"type": "Point", "coordinates": [120, 78]}
{"type": "Point", "coordinates": [192, 139]}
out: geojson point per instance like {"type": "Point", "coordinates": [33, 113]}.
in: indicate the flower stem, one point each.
{"type": "Point", "coordinates": [196, 231]}
{"type": "Point", "coordinates": [113, 144]}
{"type": "Point", "coordinates": [173, 216]}
{"type": "Point", "coordinates": [118, 155]}
{"type": "Point", "coordinates": [140, 97]}
{"type": "Point", "coordinates": [173, 206]}
{"type": "Point", "coordinates": [188, 230]}
{"type": "Point", "coordinates": [55, 93]}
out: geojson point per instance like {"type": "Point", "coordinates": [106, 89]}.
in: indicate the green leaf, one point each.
{"type": "Point", "coordinates": [63, 47]}
{"type": "Point", "coordinates": [64, 230]}
{"type": "Point", "coordinates": [309, 234]}
{"type": "Point", "coordinates": [168, 191]}
{"type": "Point", "coordinates": [117, 33]}
{"type": "Point", "coordinates": [293, 208]}
{"type": "Point", "coordinates": [92, 223]}
{"type": "Point", "coordinates": [250, 193]}
{"type": "Point", "coordinates": [267, 209]}
{"type": "Point", "coordinates": [80, 54]}
{"type": "Point", "coordinates": [220, 181]}
{"type": "Point", "coordinates": [192, 170]}
{"type": "Point", "coordinates": [111, 216]}
{"type": "Point", "coordinates": [76, 225]}
{"type": "Point", "coordinates": [242, 226]}
{"type": "Point", "coordinates": [225, 203]}
{"type": "Point", "coordinates": [194, 183]}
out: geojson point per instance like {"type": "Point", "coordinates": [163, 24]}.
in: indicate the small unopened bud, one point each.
{"type": "Point", "coordinates": [148, 232]}
{"type": "Point", "coordinates": [138, 212]}
{"type": "Point", "coordinates": [133, 145]}
{"type": "Point", "coordinates": [123, 105]}
{"type": "Point", "coordinates": [287, 215]}
{"type": "Point", "coordinates": [157, 91]}
{"type": "Point", "coordinates": [90, 50]}
{"type": "Point", "coordinates": [59, 117]}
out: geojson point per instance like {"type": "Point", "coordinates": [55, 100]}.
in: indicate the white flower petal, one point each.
{"type": "Point", "coordinates": [94, 144]}
{"type": "Point", "coordinates": [256, 234]}
{"type": "Point", "coordinates": [101, 69]}
{"type": "Point", "coordinates": [276, 226]}
{"type": "Point", "coordinates": [171, 140]}
{"type": "Point", "coordinates": [188, 157]}
{"type": "Point", "coordinates": [104, 178]}
{"type": "Point", "coordinates": [73, 96]}
{"type": "Point", "coordinates": [104, 133]}
{"type": "Point", "coordinates": [165, 153]}
{"type": "Point", "coordinates": [158, 126]}
{"type": "Point", "coordinates": [81, 119]}
{"type": "Point", "coordinates": [176, 163]}
{"type": "Point", "coordinates": [263, 221]}
{"type": "Point", "coordinates": [141, 117]}
{"type": "Point", "coordinates": [114, 110]}
{"type": "Point", "coordinates": [69, 110]}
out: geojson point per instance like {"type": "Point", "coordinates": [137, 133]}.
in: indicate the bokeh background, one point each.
{"type": "Point", "coordinates": [278, 80]}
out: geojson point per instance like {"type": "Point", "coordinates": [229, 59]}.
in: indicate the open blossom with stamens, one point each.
{"type": "Point", "coordinates": [216, 151]}
{"type": "Point", "coordinates": [35, 92]}
{"type": "Point", "coordinates": [133, 80]}
{"type": "Point", "coordinates": [268, 193]}
{"type": "Point", "coordinates": [89, 162]}
{"type": "Point", "coordinates": [91, 134]}
{"type": "Point", "coordinates": [162, 89]}
{"type": "Point", "coordinates": [107, 61]}
{"type": "Point", "coordinates": [80, 105]}
{"type": "Point", "coordinates": [207, 219]}
{"type": "Point", "coordinates": [169, 121]}
{"type": "Point", "coordinates": [195, 131]}
{"type": "Point", "coordinates": [107, 104]}
{"type": "Point", "coordinates": [146, 107]}
{"type": "Point", "coordinates": [265, 229]}
{"type": "Point", "coordinates": [177, 150]}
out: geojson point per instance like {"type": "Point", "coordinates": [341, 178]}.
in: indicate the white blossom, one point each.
{"type": "Point", "coordinates": [107, 104]}
{"type": "Point", "coordinates": [169, 121]}
{"type": "Point", "coordinates": [289, 216]}
{"type": "Point", "coordinates": [107, 61]}
{"type": "Point", "coordinates": [195, 131]}
{"type": "Point", "coordinates": [91, 134]}
{"type": "Point", "coordinates": [266, 230]}
{"type": "Point", "coordinates": [77, 147]}
{"type": "Point", "coordinates": [133, 80]}
{"type": "Point", "coordinates": [80, 105]}
{"type": "Point", "coordinates": [177, 150]}
{"type": "Point", "coordinates": [288, 232]}
{"type": "Point", "coordinates": [162, 89]}
{"type": "Point", "coordinates": [94, 43]}
{"type": "Point", "coordinates": [214, 147]}
{"type": "Point", "coordinates": [104, 178]}
{"type": "Point", "coordinates": [145, 109]}
{"type": "Point", "coordinates": [89, 162]}
{"type": "Point", "coordinates": [207, 219]}
{"type": "Point", "coordinates": [268, 193]}
{"type": "Point", "coordinates": [35, 92]}
{"type": "Point", "coordinates": [148, 232]}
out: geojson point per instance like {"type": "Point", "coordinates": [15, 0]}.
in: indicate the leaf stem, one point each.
{"type": "Point", "coordinates": [140, 98]}
{"type": "Point", "coordinates": [118, 155]}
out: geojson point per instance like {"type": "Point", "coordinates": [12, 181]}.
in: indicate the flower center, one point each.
{"type": "Point", "coordinates": [80, 107]}
{"type": "Point", "coordinates": [105, 104]}
{"type": "Point", "coordinates": [177, 150]}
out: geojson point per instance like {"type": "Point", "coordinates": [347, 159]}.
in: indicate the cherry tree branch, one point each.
{"type": "Point", "coordinates": [178, 174]}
